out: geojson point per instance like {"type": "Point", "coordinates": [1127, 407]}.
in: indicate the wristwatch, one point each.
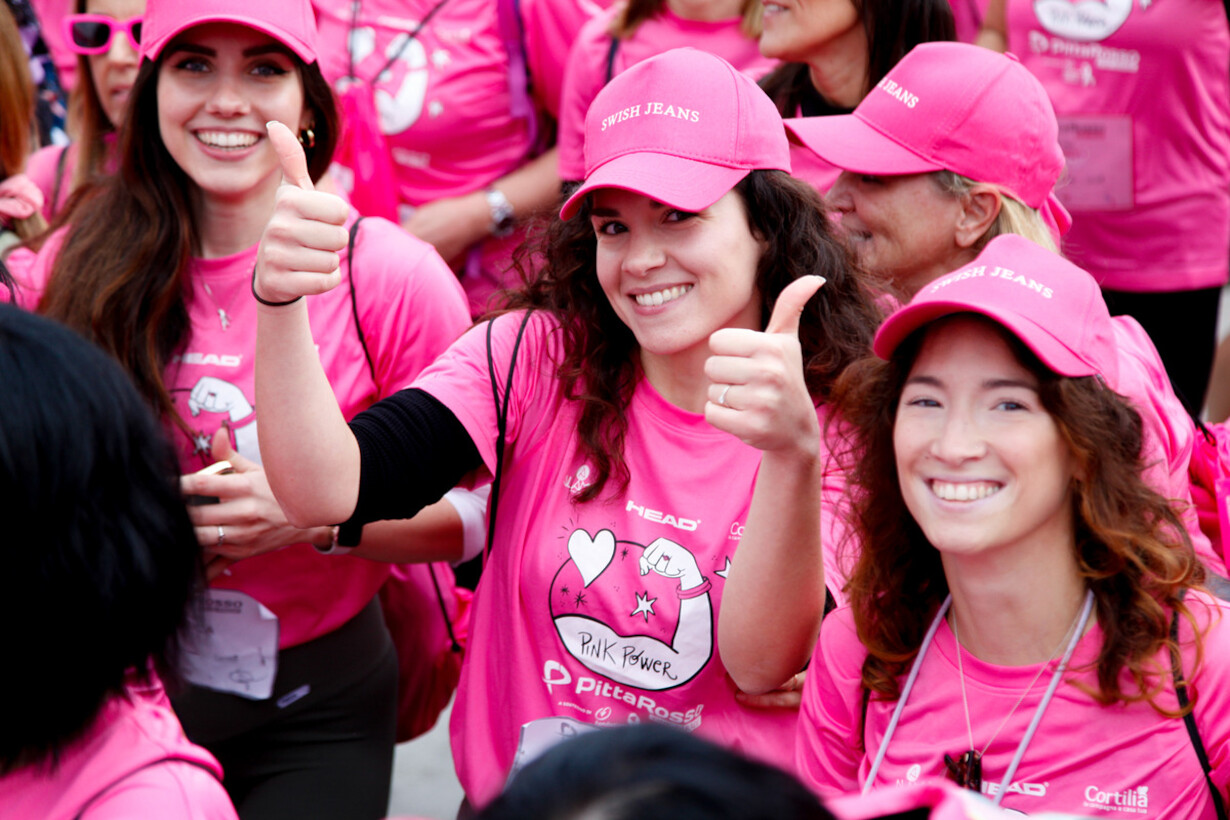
{"type": "Point", "coordinates": [502, 219]}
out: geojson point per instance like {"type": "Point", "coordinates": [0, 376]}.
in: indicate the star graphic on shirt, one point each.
{"type": "Point", "coordinates": [200, 443]}
{"type": "Point", "coordinates": [580, 599]}
{"type": "Point", "coordinates": [440, 58]}
{"type": "Point", "coordinates": [644, 606]}
{"type": "Point", "coordinates": [725, 571]}
{"type": "Point", "coordinates": [435, 108]}
{"type": "Point", "coordinates": [623, 553]}
{"type": "Point", "coordinates": [564, 590]}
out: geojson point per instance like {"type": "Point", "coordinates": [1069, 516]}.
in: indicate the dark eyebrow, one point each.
{"type": "Point", "coordinates": [989, 384]}
{"type": "Point", "coordinates": [254, 51]}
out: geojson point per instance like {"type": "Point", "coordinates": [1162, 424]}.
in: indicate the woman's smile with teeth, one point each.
{"type": "Point", "coordinates": [972, 491]}
{"type": "Point", "coordinates": [227, 139]}
{"type": "Point", "coordinates": [661, 297]}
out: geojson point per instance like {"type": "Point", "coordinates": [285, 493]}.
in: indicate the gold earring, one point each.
{"type": "Point", "coordinates": [307, 138]}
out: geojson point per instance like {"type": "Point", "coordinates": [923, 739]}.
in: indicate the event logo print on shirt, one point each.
{"type": "Point", "coordinates": [1085, 20]}
{"type": "Point", "coordinates": [403, 86]}
{"type": "Point", "coordinates": [211, 397]}
{"type": "Point", "coordinates": [634, 614]}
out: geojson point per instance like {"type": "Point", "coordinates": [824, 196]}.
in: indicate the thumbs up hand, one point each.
{"type": "Point", "coordinates": [299, 249]}
{"type": "Point", "coordinates": [757, 391]}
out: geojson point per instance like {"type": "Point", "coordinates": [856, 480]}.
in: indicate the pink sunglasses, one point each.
{"type": "Point", "coordinates": [92, 33]}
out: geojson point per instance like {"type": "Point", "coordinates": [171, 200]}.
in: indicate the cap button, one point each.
{"type": "Point", "coordinates": [1012, 57]}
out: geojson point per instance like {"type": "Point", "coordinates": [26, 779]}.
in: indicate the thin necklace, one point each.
{"type": "Point", "coordinates": [224, 318]}
{"type": "Point", "coordinates": [965, 701]}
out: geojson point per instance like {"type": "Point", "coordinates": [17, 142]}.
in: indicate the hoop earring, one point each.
{"type": "Point", "coordinates": [307, 138]}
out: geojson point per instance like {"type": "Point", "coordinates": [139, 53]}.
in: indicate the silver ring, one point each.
{"type": "Point", "coordinates": [221, 535]}
{"type": "Point", "coordinates": [722, 396]}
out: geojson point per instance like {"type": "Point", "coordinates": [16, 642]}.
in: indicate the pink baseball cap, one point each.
{"type": "Point", "coordinates": [955, 107]}
{"type": "Point", "coordinates": [1055, 308]}
{"type": "Point", "coordinates": [290, 22]}
{"type": "Point", "coordinates": [682, 128]}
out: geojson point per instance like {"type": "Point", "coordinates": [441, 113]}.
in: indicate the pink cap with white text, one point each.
{"type": "Point", "coordinates": [1055, 308]}
{"type": "Point", "coordinates": [681, 128]}
{"type": "Point", "coordinates": [291, 22]}
{"type": "Point", "coordinates": [957, 107]}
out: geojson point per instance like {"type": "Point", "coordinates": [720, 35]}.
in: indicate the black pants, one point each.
{"type": "Point", "coordinates": [327, 754]}
{"type": "Point", "coordinates": [1183, 326]}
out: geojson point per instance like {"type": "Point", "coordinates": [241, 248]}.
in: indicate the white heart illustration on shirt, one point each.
{"type": "Point", "coordinates": [591, 555]}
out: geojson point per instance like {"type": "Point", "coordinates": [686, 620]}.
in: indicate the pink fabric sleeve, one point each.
{"type": "Point", "coordinates": [829, 749]}
{"type": "Point", "coordinates": [41, 168]}
{"type": "Point", "coordinates": [550, 25]}
{"type": "Point", "coordinates": [173, 790]}
{"type": "Point", "coordinates": [583, 79]}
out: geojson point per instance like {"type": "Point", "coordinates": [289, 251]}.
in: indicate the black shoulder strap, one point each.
{"type": "Point", "coordinates": [614, 49]}
{"type": "Point", "coordinates": [354, 300]}
{"type": "Point", "coordinates": [168, 759]}
{"type": "Point", "coordinates": [62, 160]}
{"type": "Point", "coordinates": [501, 410]}
{"type": "Point", "coordinates": [1189, 719]}
{"type": "Point", "coordinates": [371, 368]}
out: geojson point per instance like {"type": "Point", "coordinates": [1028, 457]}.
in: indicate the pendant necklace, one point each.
{"type": "Point", "coordinates": [224, 318]}
{"type": "Point", "coordinates": [1081, 620]}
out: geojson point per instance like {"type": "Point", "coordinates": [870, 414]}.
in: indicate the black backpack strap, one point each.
{"type": "Point", "coordinates": [61, 162]}
{"type": "Point", "coordinates": [168, 759]}
{"type": "Point", "coordinates": [1189, 719]}
{"type": "Point", "coordinates": [371, 368]}
{"type": "Point", "coordinates": [501, 410]}
{"type": "Point", "coordinates": [614, 49]}
{"type": "Point", "coordinates": [354, 301]}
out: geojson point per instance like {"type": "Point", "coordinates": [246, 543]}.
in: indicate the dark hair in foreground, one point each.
{"type": "Point", "coordinates": [1132, 549]}
{"type": "Point", "coordinates": [119, 277]}
{"type": "Point", "coordinates": [893, 28]}
{"type": "Point", "coordinates": [600, 367]}
{"type": "Point", "coordinates": [101, 559]}
{"type": "Point", "coordinates": [651, 772]}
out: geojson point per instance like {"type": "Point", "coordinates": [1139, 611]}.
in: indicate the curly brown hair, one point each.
{"type": "Point", "coordinates": [600, 367]}
{"type": "Point", "coordinates": [1133, 550]}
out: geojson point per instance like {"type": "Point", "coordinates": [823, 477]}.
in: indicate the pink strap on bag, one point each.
{"type": "Point", "coordinates": [364, 149]}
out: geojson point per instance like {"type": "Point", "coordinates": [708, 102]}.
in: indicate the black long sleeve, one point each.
{"type": "Point", "coordinates": [412, 451]}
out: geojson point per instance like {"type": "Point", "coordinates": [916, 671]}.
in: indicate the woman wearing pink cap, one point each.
{"type": "Point", "coordinates": [658, 402]}
{"type": "Point", "coordinates": [1025, 613]}
{"type": "Point", "coordinates": [958, 145]}
{"type": "Point", "coordinates": [294, 674]}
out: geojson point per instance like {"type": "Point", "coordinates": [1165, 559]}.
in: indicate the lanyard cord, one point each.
{"type": "Point", "coordinates": [1033, 724]}
{"type": "Point", "coordinates": [354, 24]}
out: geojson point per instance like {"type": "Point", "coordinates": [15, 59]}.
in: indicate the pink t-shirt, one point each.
{"type": "Point", "coordinates": [968, 15]}
{"type": "Point", "coordinates": [129, 733]}
{"type": "Point", "coordinates": [411, 309]}
{"type": "Point", "coordinates": [571, 626]}
{"type": "Point", "coordinates": [42, 167]}
{"type": "Point", "coordinates": [1169, 434]}
{"type": "Point", "coordinates": [1085, 759]}
{"type": "Point", "coordinates": [1142, 92]}
{"type": "Point", "coordinates": [587, 66]}
{"type": "Point", "coordinates": [807, 165]}
{"type": "Point", "coordinates": [445, 105]}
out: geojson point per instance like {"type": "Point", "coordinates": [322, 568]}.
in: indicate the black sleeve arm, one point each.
{"type": "Point", "coordinates": [412, 451]}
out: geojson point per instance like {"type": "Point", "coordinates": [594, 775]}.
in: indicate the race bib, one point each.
{"type": "Point", "coordinates": [235, 648]}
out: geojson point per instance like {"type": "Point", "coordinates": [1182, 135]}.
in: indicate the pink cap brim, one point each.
{"type": "Point", "coordinates": [686, 184]}
{"type": "Point", "coordinates": [304, 51]}
{"type": "Point", "coordinates": [848, 142]}
{"type": "Point", "coordinates": [1054, 354]}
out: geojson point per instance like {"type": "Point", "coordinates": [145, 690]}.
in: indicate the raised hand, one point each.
{"type": "Point", "coordinates": [299, 249]}
{"type": "Point", "coordinates": [757, 390]}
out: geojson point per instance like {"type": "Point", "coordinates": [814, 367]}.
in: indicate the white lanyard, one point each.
{"type": "Point", "coordinates": [1033, 724]}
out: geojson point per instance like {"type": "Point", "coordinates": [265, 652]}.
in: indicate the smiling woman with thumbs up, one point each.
{"type": "Point", "coordinates": [658, 386]}
{"type": "Point", "coordinates": [294, 689]}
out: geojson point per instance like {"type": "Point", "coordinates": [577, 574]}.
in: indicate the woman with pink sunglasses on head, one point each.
{"type": "Point", "coordinates": [106, 36]}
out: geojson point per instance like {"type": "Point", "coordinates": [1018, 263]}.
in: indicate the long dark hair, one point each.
{"type": "Point", "coordinates": [600, 368]}
{"type": "Point", "coordinates": [102, 559]}
{"type": "Point", "coordinates": [893, 27]}
{"type": "Point", "coordinates": [119, 277]}
{"type": "Point", "coordinates": [1132, 549]}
